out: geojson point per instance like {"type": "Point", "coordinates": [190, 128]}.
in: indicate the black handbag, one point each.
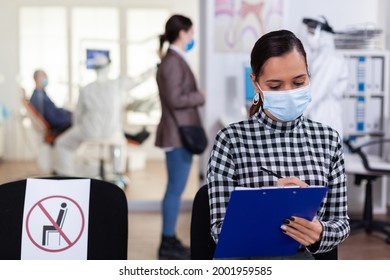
{"type": "Point", "coordinates": [193, 137]}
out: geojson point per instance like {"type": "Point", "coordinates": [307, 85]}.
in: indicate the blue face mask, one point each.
{"type": "Point", "coordinates": [190, 45]}
{"type": "Point", "coordinates": [45, 82]}
{"type": "Point", "coordinates": [287, 105]}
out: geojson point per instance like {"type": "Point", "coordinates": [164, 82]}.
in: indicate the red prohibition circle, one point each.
{"type": "Point", "coordinates": [69, 245]}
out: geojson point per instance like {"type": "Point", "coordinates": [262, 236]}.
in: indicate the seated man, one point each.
{"type": "Point", "coordinates": [59, 119]}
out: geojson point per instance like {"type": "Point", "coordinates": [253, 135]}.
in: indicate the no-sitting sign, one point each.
{"type": "Point", "coordinates": [55, 220]}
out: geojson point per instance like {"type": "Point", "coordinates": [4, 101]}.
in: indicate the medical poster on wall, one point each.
{"type": "Point", "coordinates": [55, 219]}
{"type": "Point", "coordinates": [239, 23]}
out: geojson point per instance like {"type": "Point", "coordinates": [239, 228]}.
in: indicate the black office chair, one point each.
{"type": "Point", "coordinates": [108, 220]}
{"type": "Point", "coordinates": [202, 244]}
{"type": "Point", "coordinates": [369, 174]}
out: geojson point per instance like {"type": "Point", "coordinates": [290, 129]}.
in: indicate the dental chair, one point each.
{"type": "Point", "coordinates": [104, 159]}
{"type": "Point", "coordinates": [39, 123]}
{"type": "Point", "coordinates": [45, 132]}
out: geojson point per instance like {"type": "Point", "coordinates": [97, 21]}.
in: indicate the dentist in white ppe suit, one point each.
{"type": "Point", "coordinates": [329, 74]}
{"type": "Point", "coordinates": [98, 115]}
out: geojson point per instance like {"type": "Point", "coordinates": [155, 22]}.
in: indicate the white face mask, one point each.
{"type": "Point", "coordinates": [286, 105]}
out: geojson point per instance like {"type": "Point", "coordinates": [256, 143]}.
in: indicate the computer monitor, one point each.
{"type": "Point", "coordinates": [92, 53]}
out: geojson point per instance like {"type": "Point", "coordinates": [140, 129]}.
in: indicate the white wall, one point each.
{"type": "Point", "coordinates": [16, 144]}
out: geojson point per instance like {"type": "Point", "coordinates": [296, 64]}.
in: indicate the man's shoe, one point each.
{"type": "Point", "coordinates": [172, 249]}
{"type": "Point", "coordinates": [139, 138]}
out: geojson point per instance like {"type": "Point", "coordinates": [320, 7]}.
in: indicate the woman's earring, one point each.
{"type": "Point", "coordinates": [256, 98]}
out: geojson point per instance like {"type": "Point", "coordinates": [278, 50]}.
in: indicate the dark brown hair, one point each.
{"type": "Point", "coordinates": [272, 44]}
{"type": "Point", "coordinates": [174, 25]}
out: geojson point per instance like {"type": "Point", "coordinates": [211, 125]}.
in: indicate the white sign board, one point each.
{"type": "Point", "coordinates": [55, 219]}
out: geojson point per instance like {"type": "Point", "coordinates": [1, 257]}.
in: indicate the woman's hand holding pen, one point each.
{"type": "Point", "coordinates": [291, 181]}
{"type": "Point", "coordinates": [285, 181]}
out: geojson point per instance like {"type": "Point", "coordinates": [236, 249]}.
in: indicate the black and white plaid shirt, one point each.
{"type": "Point", "coordinates": [302, 148]}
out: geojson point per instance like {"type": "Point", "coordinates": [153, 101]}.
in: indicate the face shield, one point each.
{"type": "Point", "coordinates": [312, 24]}
{"type": "Point", "coordinates": [311, 31]}
{"type": "Point", "coordinates": [100, 62]}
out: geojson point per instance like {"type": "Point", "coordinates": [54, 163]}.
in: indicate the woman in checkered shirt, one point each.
{"type": "Point", "coordinates": [279, 138]}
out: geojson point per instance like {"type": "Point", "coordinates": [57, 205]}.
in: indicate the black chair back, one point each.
{"type": "Point", "coordinates": [107, 229]}
{"type": "Point", "coordinates": [202, 245]}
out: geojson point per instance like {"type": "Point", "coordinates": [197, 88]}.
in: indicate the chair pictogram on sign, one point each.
{"type": "Point", "coordinates": [52, 229]}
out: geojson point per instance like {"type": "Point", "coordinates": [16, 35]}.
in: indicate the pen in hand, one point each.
{"type": "Point", "coordinates": [271, 172]}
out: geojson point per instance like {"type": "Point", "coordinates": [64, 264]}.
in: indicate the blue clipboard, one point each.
{"type": "Point", "coordinates": [251, 227]}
